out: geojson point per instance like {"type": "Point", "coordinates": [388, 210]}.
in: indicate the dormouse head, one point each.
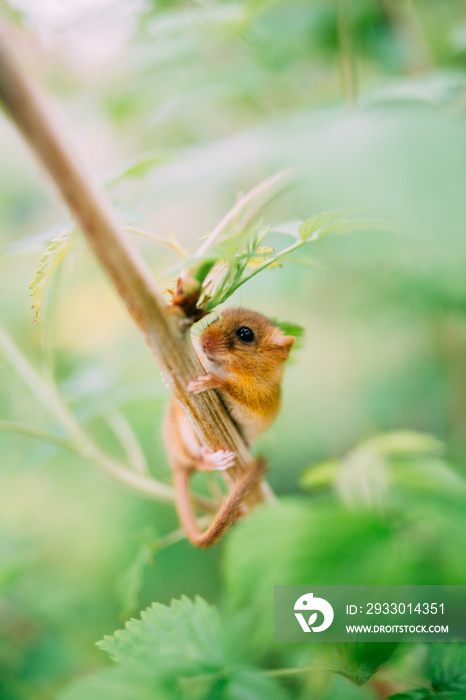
{"type": "Point", "coordinates": [245, 339]}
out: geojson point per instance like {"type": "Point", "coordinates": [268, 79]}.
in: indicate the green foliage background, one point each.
{"type": "Point", "coordinates": [367, 100]}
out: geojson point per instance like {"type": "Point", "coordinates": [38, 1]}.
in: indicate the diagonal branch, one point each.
{"type": "Point", "coordinates": [166, 333]}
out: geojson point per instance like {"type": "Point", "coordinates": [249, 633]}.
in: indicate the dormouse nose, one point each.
{"type": "Point", "coordinates": [207, 343]}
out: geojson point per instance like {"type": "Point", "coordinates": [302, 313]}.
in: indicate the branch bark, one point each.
{"type": "Point", "coordinates": [166, 333]}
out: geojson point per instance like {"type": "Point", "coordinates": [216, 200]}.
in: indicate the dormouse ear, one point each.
{"type": "Point", "coordinates": [285, 343]}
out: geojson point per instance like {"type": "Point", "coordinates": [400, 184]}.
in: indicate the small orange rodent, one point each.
{"type": "Point", "coordinates": [243, 354]}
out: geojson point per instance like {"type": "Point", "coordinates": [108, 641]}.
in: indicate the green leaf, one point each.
{"type": "Point", "coordinates": [416, 694]}
{"type": "Point", "coordinates": [365, 658]}
{"type": "Point", "coordinates": [404, 442]}
{"type": "Point", "coordinates": [305, 540]}
{"type": "Point", "coordinates": [416, 541]}
{"type": "Point", "coordinates": [137, 167]}
{"type": "Point", "coordinates": [16, 559]}
{"type": "Point", "coordinates": [249, 684]}
{"type": "Point", "coordinates": [48, 263]}
{"type": "Point", "coordinates": [319, 224]}
{"type": "Point", "coordinates": [291, 329]}
{"type": "Point", "coordinates": [233, 230]}
{"type": "Point", "coordinates": [336, 221]}
{"type": "Point", "coordinates": [182, 639]}
{"type": "Point", "coordinates": [319, 475]}
{"type": "Point", "coordinates": [200, 270]}
{"type": "Point", "coordinates": [309, 232]}
{"type": "Point", "coordinates": [340, 688]}
{"type": "Point", "coordinates": [404, 458]}
{"type": "Point", "coordinates": [428, 474]}
{"type": "Point", "coordinates": [116, 684]}
{"type": "Point", "coordinates": [130, 583]}
{"type": "Point", "coordinates": [175, 652]}
{"type": "Point", "coordinates": [447, 667]}
{"type": "Point", "coordinates": [234, 245]}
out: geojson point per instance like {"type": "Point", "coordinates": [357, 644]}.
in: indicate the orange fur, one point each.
{"type": "Point", "coordinates": [247, 377]}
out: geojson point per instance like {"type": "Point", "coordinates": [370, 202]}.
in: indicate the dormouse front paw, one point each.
{"type": "Point", "coordinates": [202, 383]}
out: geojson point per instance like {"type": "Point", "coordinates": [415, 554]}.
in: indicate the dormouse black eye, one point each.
{"type": "Point", "coordinates": [245, 334]}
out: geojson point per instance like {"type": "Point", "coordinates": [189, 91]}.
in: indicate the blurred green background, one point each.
{"type": "Point", "coordinates": [368, 101]}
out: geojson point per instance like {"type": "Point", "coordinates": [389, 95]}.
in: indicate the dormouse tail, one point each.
{"type": "Point", "coordinates": [227, 512]}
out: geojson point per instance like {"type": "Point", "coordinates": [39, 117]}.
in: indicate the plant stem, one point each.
{"type": "Point", "coordinates": [127, 438]}
{"type": "Point", "coordinates": [38, 433]}
{"type": "Point", "coordinates": [166, 333]}
{"type": "Point", "coordinates": [80, 441]}
{"type": "Point", "coordinates": [347, 53]}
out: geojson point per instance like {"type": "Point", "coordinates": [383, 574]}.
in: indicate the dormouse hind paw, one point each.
{"type": "Point", "coordinates": [218, 460]}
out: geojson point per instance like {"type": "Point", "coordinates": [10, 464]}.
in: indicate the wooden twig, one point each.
{"type": "Point", "coordinates": [166, 333]}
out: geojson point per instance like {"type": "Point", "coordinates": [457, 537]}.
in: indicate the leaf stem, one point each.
{"type": "Point", "coordinates": [264, 265]}
{"type": "Point", "coordinates": [173, 244]}
{"type": "Point", "coordinates": [287, 672]}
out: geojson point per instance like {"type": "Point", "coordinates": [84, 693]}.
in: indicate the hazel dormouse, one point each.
{"type": "Point", "coordinates": [243, 354]}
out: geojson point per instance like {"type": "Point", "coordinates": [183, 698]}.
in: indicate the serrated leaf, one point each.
{"type": "Point", "coordinates": [317, 225]}
{"type": "Point", "coordinates": [48, 263]}
{"type": "Point", "coordinates": [175, 652]}
{"type": "Point", "coordinates": [336, 221]}
{"type": "Point", "coordinates": [181, 639]}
